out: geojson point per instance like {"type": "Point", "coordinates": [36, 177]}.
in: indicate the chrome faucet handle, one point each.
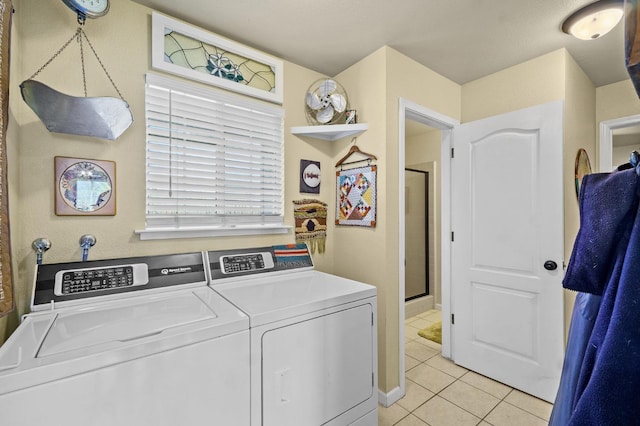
{"type": "Point", "coordinates": [40, 245]}
{"type": "Point", "coordinates": [86, 242]}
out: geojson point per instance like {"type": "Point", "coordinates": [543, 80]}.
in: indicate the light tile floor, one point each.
{"type": "Point", "coordinates": [440, 393]}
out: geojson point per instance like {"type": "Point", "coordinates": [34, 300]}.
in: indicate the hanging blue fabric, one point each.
{"type": "Point", "coordinates": [585, 310]}
{"type": "Point", "coordinates": [605, 262]}
{"type": "Point", "coordinates": [634, 160]}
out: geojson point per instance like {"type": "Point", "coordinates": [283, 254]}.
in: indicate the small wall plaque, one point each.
{"type": "Point", "coordinates": [310, 177]}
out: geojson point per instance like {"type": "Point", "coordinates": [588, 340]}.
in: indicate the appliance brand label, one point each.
{"type": "Point", "coordinates": [172, 271]}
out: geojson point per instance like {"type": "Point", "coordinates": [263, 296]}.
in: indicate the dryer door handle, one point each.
{"type": "Point", "coordinates": [283, 385]}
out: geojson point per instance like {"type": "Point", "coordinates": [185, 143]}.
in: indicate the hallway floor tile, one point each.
{"type": "Point", "coordinates": [440, 393]}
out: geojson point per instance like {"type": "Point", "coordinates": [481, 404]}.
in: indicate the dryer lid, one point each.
{"type": "Point", "coordinates": [271, 299]}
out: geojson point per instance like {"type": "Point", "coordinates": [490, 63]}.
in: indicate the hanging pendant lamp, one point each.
{"type": "Point", "coordinates": [99, 117]}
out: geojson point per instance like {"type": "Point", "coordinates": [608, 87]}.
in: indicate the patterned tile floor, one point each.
{"type": "Point", "coordinates": [440, 393]}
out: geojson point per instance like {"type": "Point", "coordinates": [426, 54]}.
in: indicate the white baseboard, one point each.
{"type": "Point", "coordinates": [389, 398]}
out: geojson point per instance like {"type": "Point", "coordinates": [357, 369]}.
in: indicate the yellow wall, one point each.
{"type": "Point", "coordinates": [616, 100]}
{"type": "Point", "coordinates": [362, 253]}
{"type": "Point", "coordinates": [375, 86]}
{"type": "Point", "coordinates": [530, 83]}
{"type": "Point", "coordinates": [122, 40]}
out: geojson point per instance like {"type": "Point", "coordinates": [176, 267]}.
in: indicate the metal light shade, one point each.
{"type": "Point", "coordinates": [100, 117]}
{"type": "Point", "coordinates": [594, 20]}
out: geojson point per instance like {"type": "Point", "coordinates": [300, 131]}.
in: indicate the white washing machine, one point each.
{"type": "Point", "coordinates": [137, 341]}
{"type": "Point", "coordinates": [313, 337]}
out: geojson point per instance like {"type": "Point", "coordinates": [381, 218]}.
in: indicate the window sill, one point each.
{"type": "Point", "coordinates": [200, 232]}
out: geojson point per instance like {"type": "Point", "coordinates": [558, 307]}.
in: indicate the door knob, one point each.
{"type": "Point", "coordinates": [550, 265]}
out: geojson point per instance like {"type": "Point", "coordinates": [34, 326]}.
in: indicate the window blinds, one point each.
{"type": "Point", "coordinates": [213, 159]}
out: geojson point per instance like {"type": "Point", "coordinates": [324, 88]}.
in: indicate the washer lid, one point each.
{"type": "Point", "coordinates": [120, 324]}
{"type": "Point", "coordinates": [275, 298]}
{"type": "Point", "coordinates": [174, 319]}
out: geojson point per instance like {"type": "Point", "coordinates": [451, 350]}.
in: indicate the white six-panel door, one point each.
{"type": "Point", "coordinates": [507, 221]}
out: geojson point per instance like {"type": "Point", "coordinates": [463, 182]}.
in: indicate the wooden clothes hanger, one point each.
{"type": "Point", "coordinates": [354, 149]}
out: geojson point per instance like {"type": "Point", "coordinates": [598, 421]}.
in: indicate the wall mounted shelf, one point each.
{"type": "Point", "coordinates": [330, 132]}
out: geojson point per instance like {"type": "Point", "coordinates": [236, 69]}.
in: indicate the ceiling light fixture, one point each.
{"type": "Point", "coordinates": [594, 20]}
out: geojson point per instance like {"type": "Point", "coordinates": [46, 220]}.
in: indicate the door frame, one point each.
{"type": "Point", "coordinates": [411, 110]}
{"type": "Point", "coordinates": [605, 157]}
{"type": "Point", "coordinates": [427, 235]}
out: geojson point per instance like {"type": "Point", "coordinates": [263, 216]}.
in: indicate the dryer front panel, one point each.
{"type": "Point", "coordinates": [313, 371]}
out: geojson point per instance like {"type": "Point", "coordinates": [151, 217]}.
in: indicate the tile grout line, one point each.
{"type": "Point", "coordinates": [456, 379]}
{"type": "Point", "coordinates": [459, 379]}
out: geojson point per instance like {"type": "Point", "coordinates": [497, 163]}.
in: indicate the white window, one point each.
{"type": "Point", "coordinates": [214, 162]}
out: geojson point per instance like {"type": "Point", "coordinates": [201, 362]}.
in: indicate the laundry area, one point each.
{"type": "Point", "coordinates": [151, 337]}
{"type": "Point", "coordinates": [330, 214]}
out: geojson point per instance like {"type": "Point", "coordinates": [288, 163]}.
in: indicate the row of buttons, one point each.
{"type": "Point", "coordinates": [243, 263]}
{"type": "Point", "coordinates": [95, 274]}
{"type": "Point", "coordinates": [100, 279]}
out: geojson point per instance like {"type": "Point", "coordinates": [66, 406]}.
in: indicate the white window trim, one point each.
{"type": "Point", "coordinates": [202, 232]}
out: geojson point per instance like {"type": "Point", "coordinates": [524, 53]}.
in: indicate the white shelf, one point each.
{"type": "Point", "coordinates": [330, 132]}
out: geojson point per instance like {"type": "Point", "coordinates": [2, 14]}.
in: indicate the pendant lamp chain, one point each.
{"type": "Point", "coordinates": [84, 77]}
{"type": "Point", "coordinates": [78, 35]}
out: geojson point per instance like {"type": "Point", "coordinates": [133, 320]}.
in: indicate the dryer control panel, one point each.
{"type": "Point", "coordinates": [251, 261]}
{"type": "Point", "coordinates": [233, 264]}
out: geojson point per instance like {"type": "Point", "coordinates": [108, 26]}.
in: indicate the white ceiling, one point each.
{"type": "Point", "coordinates": [460, 39]}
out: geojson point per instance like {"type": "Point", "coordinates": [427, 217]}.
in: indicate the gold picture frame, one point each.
{"type": "Point", "coordinates": [582, 168]}
{"type": "Point", "coordinates": [85, 187]}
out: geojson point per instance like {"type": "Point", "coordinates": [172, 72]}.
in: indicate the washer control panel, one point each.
{"type": "Point", "coordinates": [233, 264]}
{"type": "Point", "coordinates": [74, 281]}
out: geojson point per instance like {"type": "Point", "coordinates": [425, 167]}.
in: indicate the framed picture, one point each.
{"type": "Point", "coordinates": [309, 177]}
{"type": "Point", "coordinates": [85, 187]}
{"type": "Point", "coordinates": [351, 116]}
{"type": "Point", "coordinates": [200, 55]}
{"type": "Point", "coordinates": [356, 196]}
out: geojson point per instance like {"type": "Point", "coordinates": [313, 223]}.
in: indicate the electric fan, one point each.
{"type": "Point", "coordinates": [326, 102]}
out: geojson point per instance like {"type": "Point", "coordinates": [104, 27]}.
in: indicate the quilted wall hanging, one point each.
{"type": "Point", "coordinates": [356, 196]}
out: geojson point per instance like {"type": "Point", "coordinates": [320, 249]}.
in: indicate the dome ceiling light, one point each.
{"type": "Point", "coordinates": [594, 20]}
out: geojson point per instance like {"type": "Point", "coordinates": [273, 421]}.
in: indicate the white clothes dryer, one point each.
{"type": "Point", "coordinates": [137, 341]}
{"type": "Point", "coordinates": [313, 337]}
